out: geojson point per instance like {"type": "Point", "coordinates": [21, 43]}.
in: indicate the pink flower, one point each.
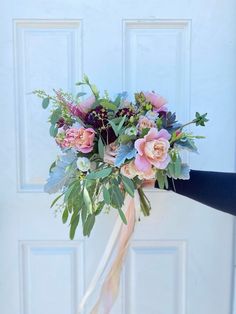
{"type": "Point", "coordinates": [144, 123]}
{"type": "Point", "coordinates": [81, 139]}
{"type": "Point", "coordinates": [153, 150]}
{"type": "Point", "coordinates": [156, 100]}
{"type": "Point", "coordinates": [82, 108]}
{"type": "Point", "coordinates": [130, 170]}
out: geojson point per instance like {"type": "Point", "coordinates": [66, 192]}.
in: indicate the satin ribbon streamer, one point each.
{"type": "Point", "coordinates": [120, 239]}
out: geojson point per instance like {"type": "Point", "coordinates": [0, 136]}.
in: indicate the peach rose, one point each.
{"type": "Point", "coordinates": [145, 123]}
{"type": "Point", "coordinates": [81, 139]}
{"type": "Point", "coordinates": [130, 170]}
{"type": "Point", "coordinates": [153, 150]}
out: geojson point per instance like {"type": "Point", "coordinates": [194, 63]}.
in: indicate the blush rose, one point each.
{"type": "Point", "coordinates": [153, 150]}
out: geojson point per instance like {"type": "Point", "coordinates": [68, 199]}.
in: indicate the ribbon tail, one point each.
{"type": "Point", "coordinates": [110, 287]}
{"type": "Point", "coordinates": [103, 264]}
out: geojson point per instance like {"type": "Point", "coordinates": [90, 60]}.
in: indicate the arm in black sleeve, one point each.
{"type": "Point", "coordinates": [215, 189]}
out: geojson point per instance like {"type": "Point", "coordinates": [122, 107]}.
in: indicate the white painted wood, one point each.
{"type": "Point", "coordinates": [180, 261]}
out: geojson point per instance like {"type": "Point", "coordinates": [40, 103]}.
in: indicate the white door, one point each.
{"type": "Point", "coordinates": [180, 261]}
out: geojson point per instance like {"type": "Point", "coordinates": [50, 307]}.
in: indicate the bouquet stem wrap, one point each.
{"type": "Point", "coordinates": [119, 241]}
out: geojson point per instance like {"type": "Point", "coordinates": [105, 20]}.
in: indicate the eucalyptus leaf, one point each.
{"type": "Point", "coordinates": [73, 227]}
{"type": "Point", "coordinates": [101, 148]}
{"type": "Point", "coordinates": [122, 216]}
{"type": "Point", "coordinates": [65, 215]}
{"type": "Point", "coordinates": [56, 199]}
{"type": "Point", "coordinates": [106, 195]}
{"type": "Point", "coordinates": [99, 174]}
{"type": "Point", "coordinates": [88, 225]}
{"type": "Point", "coordinates": [128, 185]}
{"type": "Point", "coordinates": [55, 116]}
{"type": "Point", "coordinates": [45, 102]}
{"type": "Point", "coordinates": [53, 130]}
{"type": "Point", "coordinates": [160, 176]}
{"type": "Point", "coordinates": [87, 200]}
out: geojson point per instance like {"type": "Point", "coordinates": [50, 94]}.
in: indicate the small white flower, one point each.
{"type": "Point", "coordinates": [131, 131]}
{"type": "Point", "coordinates": [83, 164]}
{"type": "Point", "coordinates": [152, 115]}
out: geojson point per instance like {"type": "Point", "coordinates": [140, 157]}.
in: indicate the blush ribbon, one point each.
{"type": "Point", "coordinates": [115, 253]}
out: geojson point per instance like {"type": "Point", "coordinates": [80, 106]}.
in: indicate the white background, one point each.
{"type": "Point", "coordinates": [181, 259]}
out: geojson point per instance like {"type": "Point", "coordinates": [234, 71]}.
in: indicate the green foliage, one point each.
{"type": "Point", "coordinates": [99, 173]}
{"type": "Point", "coordinates": [144, 202]}
{"type": "Point", "coordinates": [122, 216]}
{"type": "Point", "coordinates": [88, 224]}
{"type": "Point", "coordinates": [161, 179]}
{"type": "Point", "coordinates": [101, 148]}
{"type": "Point", "coordinates": [106, 195]}
{"type": "Point", "coordinates": [128, 185]}
{"type": "Point", "coordinates": [53, 130]}
{"type": "Point", "coordinates": [200, 119]}
{"type": "Point", "coordinates": [45, 102]}
{"type": "Point", "coordinates": [117, 124]}
{"type": "Point", "coordinates": [87, 200]}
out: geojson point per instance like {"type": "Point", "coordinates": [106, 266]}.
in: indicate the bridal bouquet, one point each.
{"type": "Point", "coordinates": [109, 148]}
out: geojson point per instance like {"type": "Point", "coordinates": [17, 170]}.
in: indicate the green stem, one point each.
{"type": "Point", "coordinates": [144, 202]}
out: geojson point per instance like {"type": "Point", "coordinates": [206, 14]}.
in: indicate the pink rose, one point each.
{"type": "Point", "coordinates": [81, 139]}
{"type": "Point", "coordinates": [130, 170]}
{"type": "Point", "coordinates": [144, 123]}
{"type": "Point", "coordinates": [156, 100]}
{"type": "Point", "coordinates": [153, 150]}
{"type": "Point", "coordinates": [82, 108]}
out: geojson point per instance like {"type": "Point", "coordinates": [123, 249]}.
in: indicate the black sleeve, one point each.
{"type": "Point", "coordinates": [215, 189]}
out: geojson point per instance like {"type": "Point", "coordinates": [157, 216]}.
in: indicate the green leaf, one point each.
{"type": "Point", "coordinates": [122, 216]}
{"type": "Point", "coordinates": [80, 94]}
{"type": "Point", "coordinates": [99, 207]}
{"type": "Point", "coordinates": [124, 138]}
{"type": "Point", "coordinates": [55, 200]}
{"type": "Point", "coordinates": [114, 127]}
{"type": "Point", "coordinates": [45, 102]}
{"type": "Point", "coordinates": [177, 166]}
{"type": "Point", "coordinates": [160, 176]}
{"type": "Point", "coordinates": [53, 130]}
{"type": "Point", "coordinates": [117, 124]}
{"type": "Point", "coordinates": [101, 148]}
{"type": "Point", "coordinates": [144, 202]}
{"type": "Point", "coordinates": [94, 90]}
{"type": "Point", "coordinates": [159, 123]}
{"type": "Point", "coordinates": [106, 195]}
{"type": "Point", "coordinates": [65, 215]}
{"type": "Point", "coordinates": [128, 185]}
{"type": "Point", "coordinates": [144, 132]}
{"type": "Point", "coordinates": [73, 227]}
{"type": "Point", "coordinates": [87, 200]}
{"type": "Point", "coordinates": [107, 104]}
{"type": "Point", "coordinates": [99, 174]}
{"type": "Point", "coordinates": [121, 124]}
{"type": "Point", "coordinates": [117, 198]}
{"type": "Point", "coordinates": [84, 214]}
{"type": "Point", "coordinates": [117, 100]}
{"type": "Point", "coordinates": [88, 225]}
{"type": "Point", "coordinates": [55, 116]}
